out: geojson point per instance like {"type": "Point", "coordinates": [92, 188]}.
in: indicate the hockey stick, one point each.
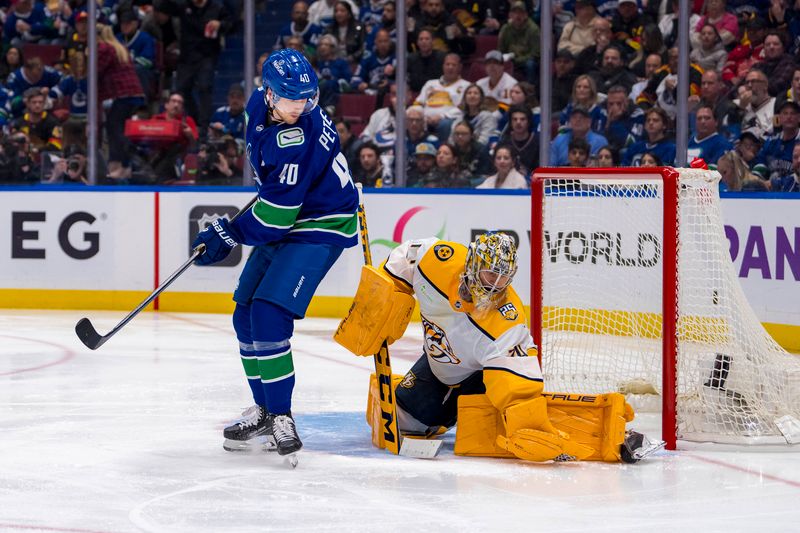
{"type": "Point", "coordinates": [410, 447]}
{"type": "Point", "coordinates": [88, 334]}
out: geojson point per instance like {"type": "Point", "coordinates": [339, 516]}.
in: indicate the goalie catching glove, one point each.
{"type": "Point", "coordinates": [218, 239]}
{"type": "Point", "coordinates": [380, 311]}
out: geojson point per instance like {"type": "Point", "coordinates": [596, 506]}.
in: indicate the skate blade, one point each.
{"type": "Point", "coordinates": [254, 445]}
{"type": "Point", "coordinates": [291, 459]}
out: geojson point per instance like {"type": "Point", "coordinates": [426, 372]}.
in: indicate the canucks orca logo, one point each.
{"type": "Point", "coordinates": [436, 344]}
{"type": "Point", "coordinates": [508, 311]}
{"type": "Point", "coordinates": [443, 252]}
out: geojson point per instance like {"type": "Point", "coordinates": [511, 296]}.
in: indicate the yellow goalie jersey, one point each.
{"type": "Point", "coordinates": [459, 340]}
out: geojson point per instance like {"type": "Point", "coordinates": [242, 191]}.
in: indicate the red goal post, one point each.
{"type": "Point", "coordinates": [632, 289]}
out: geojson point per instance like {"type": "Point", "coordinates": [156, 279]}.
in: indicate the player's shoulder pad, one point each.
{"type": "Point", "coordinates": [506, 315]}
{"type": "Point", "coordinates": [446, 252]}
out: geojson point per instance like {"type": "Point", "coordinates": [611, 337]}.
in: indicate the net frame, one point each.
{"type": "Point", "coordinates": [684, 326]}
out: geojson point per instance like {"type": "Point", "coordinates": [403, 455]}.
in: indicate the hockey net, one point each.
{"type": "Point", "coordinates": [633, 290]}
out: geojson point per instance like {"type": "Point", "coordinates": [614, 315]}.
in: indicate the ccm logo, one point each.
{"type": "Point", "coordinates": [24, 233]}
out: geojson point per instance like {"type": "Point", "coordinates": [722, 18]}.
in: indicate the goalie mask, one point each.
{"type": "Point", "coordinates": [290, 83]}
{"type": "Point", "coordinates": [490, 266]}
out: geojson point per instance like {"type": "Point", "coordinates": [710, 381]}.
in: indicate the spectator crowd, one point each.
{"type": "Point", "coordinates": [472, 114]}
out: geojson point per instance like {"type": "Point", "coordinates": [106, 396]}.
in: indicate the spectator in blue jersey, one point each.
{"type": "Point", "coordinates": [74, 88]}
{"type": "Point", "coordinates": [388, 22]}
{"type": "Point", "coordinates": [349, 32]}
{"type": "Point", "coordinates": [707, 143]}
{"type": "Point", "coordinates": [229, 119]}
{"type": "Point", "coordinates": [303, 218]}
{"type": "Point", "coordinates": [371, 12]}
{"type": "Point", "coordinates": [625, 123]}
{"type": "Point", "coordinates": [656, 141]}
{"type": "Point", "coordinates": [376, 69]}
{"type": "Point", "coordinates": [141, 46]}
{"type": "Point", "coordinates": [775, 158]}
{"type": "Point", "coordinates": [584, 95]}
{"type": "Point", "coordinates": [736, 175]}
{"type": "Point", "coordinates": [334, 73]}
{"type": "Point", "coordinates": [579, 128]}
{"type": "Point", "coordinates": [789, 182]}
{"type": "Point", "coordinates": [203, 24]}
{"type": "Point", "coordinates": [301, 27]}
{"type": "Point", "coordinates": [33, 73]}
{"type": "Point", "coordinates": [27, 22]}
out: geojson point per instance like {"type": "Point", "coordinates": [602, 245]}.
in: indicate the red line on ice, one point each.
{"type": "Point", "coordinates": [49, 528]}
{"type": "Point", "coordinates": [68, 354]}
{"type": "Point", "coordinates": [745, 470]}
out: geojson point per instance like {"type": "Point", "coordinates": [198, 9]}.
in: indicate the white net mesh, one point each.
{"type": "Point", "coordinates": [602, 297]}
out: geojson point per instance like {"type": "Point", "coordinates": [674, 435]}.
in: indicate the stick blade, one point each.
{"type": "Point", "coordinates": [88, 335]}
{"type": "Point", "coordinates": [420, 448]}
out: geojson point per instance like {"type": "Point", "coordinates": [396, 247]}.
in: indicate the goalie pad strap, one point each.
{"type": "Point", "coordinates": [379, 312]}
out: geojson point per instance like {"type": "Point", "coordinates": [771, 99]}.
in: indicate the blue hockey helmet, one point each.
{"type": "Point", "coordinates": [289, 75]}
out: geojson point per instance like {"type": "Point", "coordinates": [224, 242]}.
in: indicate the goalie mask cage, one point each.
{"type": "Point", "coordinates": [633, 290]}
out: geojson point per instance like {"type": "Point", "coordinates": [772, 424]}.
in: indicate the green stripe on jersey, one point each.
{"type": "Point", "coordinates": [346, 225]}
{"type": "Point", "coordinates": [275, 215]}
{"type": "Point", "coordinates": [276, 368]}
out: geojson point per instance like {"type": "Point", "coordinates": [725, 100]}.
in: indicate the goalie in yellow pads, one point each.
{"type": "Point", "coordinates": [479, 365]}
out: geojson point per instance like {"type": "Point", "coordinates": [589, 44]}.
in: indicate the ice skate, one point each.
{"type": "Point", "coordinates": [286, 438]}
{"type": "Point", "coordinates": [251, 432]}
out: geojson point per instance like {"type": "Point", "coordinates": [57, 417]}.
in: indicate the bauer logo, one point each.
{"type": "Point", "coordinates": [202, 216]}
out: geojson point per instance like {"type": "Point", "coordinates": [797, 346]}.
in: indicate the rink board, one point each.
{"type": "Point", "coordinates": [108, 248]}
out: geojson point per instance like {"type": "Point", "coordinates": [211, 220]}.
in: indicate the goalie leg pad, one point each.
{"type": "Point", "coordinates": [379, 312]}
{"type": "Point", "coordinates": [591, 420]}
{"type": "Point", "coordinates": [530, 435]}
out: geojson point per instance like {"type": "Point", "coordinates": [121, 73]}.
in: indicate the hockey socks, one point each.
{"type": "Point", "coordinates": [272, 327]}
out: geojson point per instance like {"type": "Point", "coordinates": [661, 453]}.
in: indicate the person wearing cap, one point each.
{"type": "Point", "coordinates": [774, 160]}
{"type": "Point", "coordinates": [497, 82]}
{"type": "Point", "coordinates": [520, 36]}
{"type": "Point", "coordinates": [422, 164]}
{"type": "Point", "coordinates": [578, 33]}
{"type": "Point", "coordinates": [707, 143]}
{"type": "Point", "coordinates": [747, 146]}
{"type": "Point", "coordinates": [580, 122]}
{"type": "Point", "coordinates": [628, 22]}
{"type": "Point", "coordinates": [142, 47]}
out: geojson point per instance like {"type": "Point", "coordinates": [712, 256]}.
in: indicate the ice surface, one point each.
{"type": "Point", "coordinates": [129, 438]}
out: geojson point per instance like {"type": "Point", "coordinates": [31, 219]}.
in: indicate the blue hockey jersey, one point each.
{"type": "Point", "coordinates": [305, 190]}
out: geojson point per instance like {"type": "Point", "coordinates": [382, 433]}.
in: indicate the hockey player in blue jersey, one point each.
{"type": "Point", "coordinates": [303, 219]}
